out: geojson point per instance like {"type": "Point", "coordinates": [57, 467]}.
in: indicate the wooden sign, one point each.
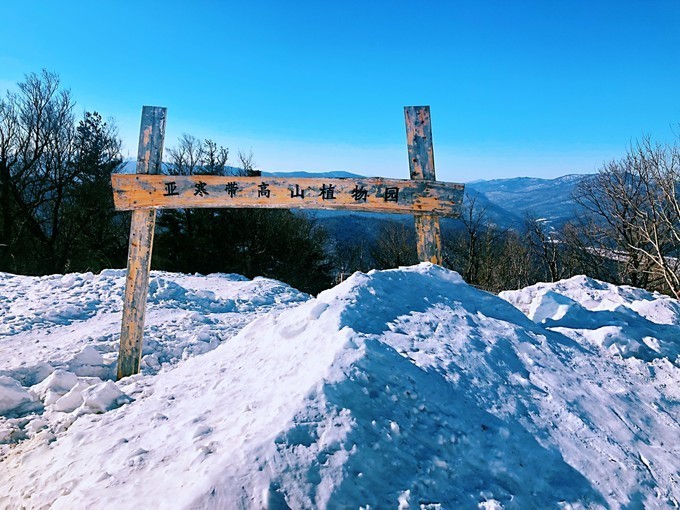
{"type": "Point", "coordinates": [144, 192]}
{"type": "Point", "coordinates": [132, 192]}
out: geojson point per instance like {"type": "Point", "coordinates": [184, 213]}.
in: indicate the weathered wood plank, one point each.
{"type": "Point", "coordinates": [428, 238]}
{"type": "Point", "coordinates": [421, 165]}
{"type": "Point", "coordinates": [419, 142]}
{"type": "Point", "coordinates": [149, 157]}
{"type": "Point", "coordinates": [136, 289]}
{"type": "Point", "coordinates": [362, 194]}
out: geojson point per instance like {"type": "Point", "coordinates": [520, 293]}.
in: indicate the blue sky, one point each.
{"type": "Point", "coordinates": [516, 88]}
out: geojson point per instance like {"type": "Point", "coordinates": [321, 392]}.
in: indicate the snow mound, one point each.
{"type": "Point", "coordinates": [623, 320]}
{"type": "Point", "coordinates": [396, 389]}
{"type": "Point", "coordinates": [14, 398]}
{"type": "Point", "coordinates": [55, 386]}
{"type": "Point", "coordinates": [103, 397]}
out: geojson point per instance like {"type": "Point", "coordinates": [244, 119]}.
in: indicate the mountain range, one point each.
{"type": "Point", "coordinates": [509, 201]}
{"type": "Point", "coordinates": [505, 202]}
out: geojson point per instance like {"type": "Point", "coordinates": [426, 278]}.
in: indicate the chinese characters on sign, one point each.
{"type": "Point", "coordinates": [359, 194]}
{"type": "Point", "coordinates": [263, 190]}
{"type": "Point", "coordinates": [326, 192]}
{"type": "Point", "coordinates": [297, 193]}
{"type": "Point", "coordinates": [391, 194]}
{"type": "Point", "coordinates": [199, 189]}
{"type": "Point", "coordinates": [231, 188]}
{"type": "Point", "coordinates": [170, 189]}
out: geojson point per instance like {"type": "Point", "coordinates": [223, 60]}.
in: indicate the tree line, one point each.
{"type": "Point", "coordinates": [56, 201]}
{"type": "Point", "coordinates": [56, 215]}
{"type": "Point", "coordinates": [627, 232]}
{"type": "Point", "coordinates": [276, 243]}
{"type": "Point", "coordinates": [56, 206]}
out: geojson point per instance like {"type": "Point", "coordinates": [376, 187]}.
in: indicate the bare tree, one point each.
{"type": "Point", "coordinates": [658, 225]}
{"type": "Point", "coordinates": [50, 169]}
{"type": "Point", "coordinates": [248, 165]}
{"type": "Point", "coordinates": [612, 229]}
{"type": "Point", "coordinates": [634, 215]}
{"type": "Point", "coordinates": [186, 157]}
{"type": "Point", "coordinates": [579, 255]}
{"type": "Point", "coordinates": [395, 246]}
{"type": "Point", "coordinates": [475, 251]}
{"type": "Point", "coordinates": [350, 257]}
{"type": "Point", "coordinates": [215, 158]}
{"type": "Point", "coordinates": [193, 156]}
{"type": "Point", "coordinates": [36, 142]}
{"type": "Point", "coordinates": [546, 246]}
{"type": "Point", "coordinates": [513, 264]}
{"type": "Point", "coordinates": [474, 219]}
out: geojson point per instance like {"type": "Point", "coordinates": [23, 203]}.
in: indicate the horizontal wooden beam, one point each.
{"type": "Point", "coordinates": [132, 192]}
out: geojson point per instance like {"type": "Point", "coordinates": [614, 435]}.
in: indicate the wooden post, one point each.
{"type": "Point", "coordinates": [421, 166]}
{"type": "Point", "coordinates": [149, 158]}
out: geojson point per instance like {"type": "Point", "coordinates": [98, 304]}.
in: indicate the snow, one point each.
{"type": "Point", "coordinates": [14, 399]}
{"type": "Point", "coordinates": [622, 320]}
{"type": "Point", "coordinates": [396, 389]}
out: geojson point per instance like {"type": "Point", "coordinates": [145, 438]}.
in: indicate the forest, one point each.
{"type": "Point", "coordinates": [57, 215]}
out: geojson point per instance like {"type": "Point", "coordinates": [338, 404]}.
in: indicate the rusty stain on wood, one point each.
{"type": "Point", "coordinates": [132, 192]}
{"type": "Point", "coordinates": [421, 166]}
{"type": "Point", "coordinates": [149, 157]}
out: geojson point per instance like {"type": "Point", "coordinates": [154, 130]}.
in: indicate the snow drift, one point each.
{"type": "Point", "coordinates": [623, 320]}
{"type": "Point", "coordinates": [396, 389]}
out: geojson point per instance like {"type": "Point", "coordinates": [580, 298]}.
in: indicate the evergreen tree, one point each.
{"type": "Point", "coordinates": [99, 232]}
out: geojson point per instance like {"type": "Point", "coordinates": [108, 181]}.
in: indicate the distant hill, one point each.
{"type": "Point", "coordinates": [331, 175]}
{"type": "Point", "coordinates": [130, 165]}
{"type": "Point", "coordinates": [508, 201]}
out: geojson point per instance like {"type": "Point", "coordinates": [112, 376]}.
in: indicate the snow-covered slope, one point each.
{"type": "Point", "coordinates": [396, 389]}
{"type": "Point", "coordinates": [64, 321]}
